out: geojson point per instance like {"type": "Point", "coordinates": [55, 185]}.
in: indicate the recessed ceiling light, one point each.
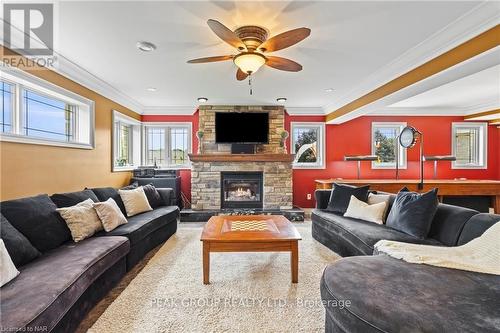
{"type": "Point", "coordinates": [281, 100]}
{"type": "Point", "coordinates": [202, 99]}
{"type": "Point", "coordinates": [145, 46]}
{"type": "Point", "coordinates": [152, 89]}
{"type": "Point", "coordinates": [329, 89]}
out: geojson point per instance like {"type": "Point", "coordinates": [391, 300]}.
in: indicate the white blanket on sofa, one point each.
{"type": "Point", "coordinates": [481, 254]}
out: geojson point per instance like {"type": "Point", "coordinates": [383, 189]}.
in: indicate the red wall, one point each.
{"type": "Point", "coordinates": [184, 173]}
{"type": "Point", "coordinates": [354, 138]}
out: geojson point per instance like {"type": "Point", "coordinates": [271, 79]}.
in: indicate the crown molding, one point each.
{"type": "Point", "coordinates": [188, 110]}
{"type": "Point", "coordinates": [478, 20]}
{"type": "Point", "coordinates": [305, 111]}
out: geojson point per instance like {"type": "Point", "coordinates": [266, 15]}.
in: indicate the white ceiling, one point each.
{"type": "Point", "coordinates": [351, 44]}
{"type": "Point", "coordinates": [461, 95]}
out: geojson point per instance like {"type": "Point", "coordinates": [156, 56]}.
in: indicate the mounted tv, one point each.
{"type": "Point", "coordinates": [242, 127]}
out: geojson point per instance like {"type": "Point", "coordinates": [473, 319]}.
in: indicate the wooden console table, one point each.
{"type": "Point", "coordinates": [447, 187]}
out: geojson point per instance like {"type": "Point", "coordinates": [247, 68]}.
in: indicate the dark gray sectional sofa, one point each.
{"type": "Point", "coordinates": [390, 295]}
{"type": "Point", "coordinates": [55, 291]}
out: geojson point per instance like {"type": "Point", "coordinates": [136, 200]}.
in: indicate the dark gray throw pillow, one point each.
{"type": "Point", "coordinates": [104, 193]}
{"type": "Point", "coordinates": [21, 251]}
{"type": "Point", "coordinates": [72, 198]}
{"type": "Point", "coordinates": [154, 197]}
{"type": "Point", "coordinates": [37, 219]}
{"type": "Point", "coordinates": [412, 213]}
{"type": "Point", "coordinates": [341, 195]}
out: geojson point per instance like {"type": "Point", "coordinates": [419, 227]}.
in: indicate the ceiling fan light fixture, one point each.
{"type": "Point", "coordinates": [249, 62]}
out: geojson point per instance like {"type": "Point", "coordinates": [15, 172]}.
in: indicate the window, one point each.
{"type": "Point", "coordinates": [35, 111]}
{"type": "Point", "coordinates": [384, 136]}
{"type": "Point", "coordinates": [7, 91]}
{"type": "Point", "coordinates": [308, 145]}
{"type": "Point", "coordinates": [126, 142]}
{"type": "Point", "coordinates": [167, 145]}
{"type": "Point", "coordinates": [469, 145]}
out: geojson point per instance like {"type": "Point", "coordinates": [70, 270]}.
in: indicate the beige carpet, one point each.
{"type": "Point", "coordinates": [249, 292]}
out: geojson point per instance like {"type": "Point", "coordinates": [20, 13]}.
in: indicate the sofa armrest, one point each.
{"type": "Point", "coordinates": [322, 198]}
{"type": "Point", "coordinates": [167, 196]}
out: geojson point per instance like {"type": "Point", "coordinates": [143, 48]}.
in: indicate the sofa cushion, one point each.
{"type": "Point", "coordinates": [412, 212]}
{"type": "Point", "coordinates": [104, 193]}
{"type": "Point", "coordinates": [449, 222]}
{"type": "Point", "coordinates": [476, 226]}
{"type": "Point", "coordinates": [69, 199]}
{"type": "Point", "coordinates": [341, 195]}
{"type": "Point", "coordinates": [362, 235]}
{"type": "Point", "coordinates": [20, 249]}
{"type": "Point", "coordinates": [391, 295]}
{"type": "Point", "coordinates": [49, 286]}
{"type": "Point", "coordinates": [8, 270]}
{"type": "Point", "coordinates": [154, 197]}
{"type": "Point", "coordinates": [140, 226]}
{"type": "Point", "coordinates": [37, 219]}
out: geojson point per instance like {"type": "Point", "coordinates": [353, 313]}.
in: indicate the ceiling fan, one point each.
{"type": "Point", "coordinates": [252, 44]}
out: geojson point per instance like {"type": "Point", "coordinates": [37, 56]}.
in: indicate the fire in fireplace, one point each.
{"type": "Point", "coordinates": [241, 189]}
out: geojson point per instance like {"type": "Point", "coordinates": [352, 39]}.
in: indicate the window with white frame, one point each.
{"type": "Point", "coordinates": [126, 142]}
{"type": "Point", "coordinates": [167, 145]}
{"type": "Point", "coordinates": [308, 145]}
{"type": "Point", "coordinates": [384, 144]}
{"type": "Point", "coordinates": [469, 145]}
{"type": "Point", "coordinates": [36, 111]}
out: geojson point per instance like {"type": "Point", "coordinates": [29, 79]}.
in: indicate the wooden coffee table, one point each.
{"type": "Point", "coordinates": [250, 233]}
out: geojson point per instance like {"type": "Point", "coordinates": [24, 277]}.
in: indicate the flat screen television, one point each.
{"type": "Point", "coordinates": [242, 127]}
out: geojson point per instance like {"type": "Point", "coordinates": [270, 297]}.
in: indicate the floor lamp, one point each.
{"type": "Point", "coordinates": [407, 139]}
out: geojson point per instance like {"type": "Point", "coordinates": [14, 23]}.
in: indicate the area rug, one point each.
{"type": "Point", "coordinates": [248, 292]}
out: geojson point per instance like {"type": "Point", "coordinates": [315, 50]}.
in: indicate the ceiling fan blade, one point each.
{"type": "Point", "coordinates": [210, 59]}
{"type": "Point", "coordinates": [226, 34]}
{"type": "Point", "coordinates": [240, 75]}
{"type": "Point", "coordinates": [284, 40]}
{"type": "Point", "coordinates": [283, 64]}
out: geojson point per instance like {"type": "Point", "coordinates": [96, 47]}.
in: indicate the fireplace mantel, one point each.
{"type": "Point", "coordinates": [241, 157]}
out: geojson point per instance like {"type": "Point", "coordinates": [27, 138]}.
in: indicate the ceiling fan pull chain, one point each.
{"type": "Point", "coordinates": [250, 83]}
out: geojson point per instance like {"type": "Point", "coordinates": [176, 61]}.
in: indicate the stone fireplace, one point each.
{"type": "Point", "coordinates": [211, 169]}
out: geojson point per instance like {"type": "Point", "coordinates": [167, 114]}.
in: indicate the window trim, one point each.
{"type": "Point", "coordinates": [146, 125]}
{"type": "Point", "coordinates": [123, 118]}
{"type": "Point", "coordinates": [484, 127]}
{"type": "Point", "coordinates": [23, 80]}
{"type": "Point", "coordinates": [321, 164]}
{"type": "Point", "coordinates": [402, 151]}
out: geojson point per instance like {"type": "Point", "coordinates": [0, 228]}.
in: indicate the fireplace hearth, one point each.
{"type": "Point", "coordinates": [241, 189]}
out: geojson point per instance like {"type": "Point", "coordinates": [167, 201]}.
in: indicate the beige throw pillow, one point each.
{"type": "Point", "coordinates": [110, 214]}
{"type": "Point", "coordinates": [135, 201]}
{"type": "Point", "coordinates": [378, 198]}
{"type": "Point", "coordinates": [82, 220]}
{"type": "Point", "coordinates": [8, 270]}
{"type": "Point", "coordinates": [361, 210]}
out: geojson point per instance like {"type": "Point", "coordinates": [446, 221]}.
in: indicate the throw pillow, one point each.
{"type": "Point", "coordinates": [104, 193]}
{"type": "Point", "coordinates": [110, 214]}
{"type": "Point", "coordinates": [72, 198]}
{"type": "Point", "coordinates": [154, 197]}
{"type": "Point", "coordinates": [377, 198]}
{"type": "Point", "coordinates": [82, 220]}
{"type": "Point", "coordinates": [37, 219]}
{"type": "Point", "coordinates": [412, 213]}
{"type": "Point", "coordinates": [19, 247]}
{"type": "Point", "coordinates": [341, 195]}
{"type": "Point", "coordinates": [8, 270]}
{"type": "Point", "coordinates": [363, 211]}
{"type": "Point", "coordinates": [135, 201]}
